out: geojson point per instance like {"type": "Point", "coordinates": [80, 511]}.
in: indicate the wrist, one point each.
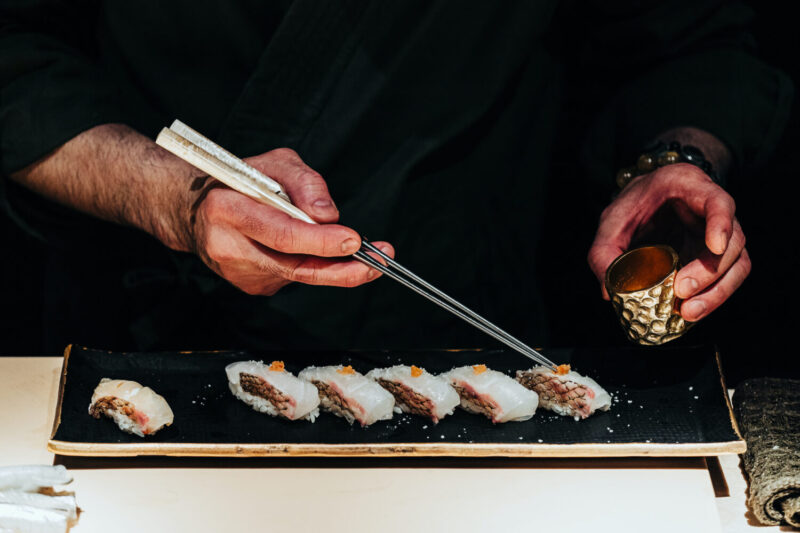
{"type": "Point", "coordinates": [714, 150]}
{"type": "Point", "coordinates": [681, 145]}
{"type": "Point", "coordinates": [168, 199]}
{"type": "Point", "coordinates": [154, 184]}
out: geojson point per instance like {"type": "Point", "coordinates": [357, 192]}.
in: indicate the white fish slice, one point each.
{"type": "Point", "coordinates": [492, 394]}
{"type": "Point", "coordinates": [349, 394]}
{"type": "Point", "coordinates": [64, 503]}
{"type": "Point", "coordinates": [33, 477]}
{"type": "Point", "coordinates": [32, 519]}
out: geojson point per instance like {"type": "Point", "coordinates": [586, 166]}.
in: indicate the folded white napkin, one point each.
{"type": "Point", "coordinates": [29, 502]}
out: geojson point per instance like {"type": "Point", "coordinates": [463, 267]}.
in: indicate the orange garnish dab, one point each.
{"type": "Point", "coordinates": [562, 369]}
{"type": "Point", "coordinates": [346, 370]}
{"type": "Point", "coordinates": [416, 371]}
{"type": "Point", "coordinates": [276, 366]}
{"type": "Point", "coordinates": [479, 369]}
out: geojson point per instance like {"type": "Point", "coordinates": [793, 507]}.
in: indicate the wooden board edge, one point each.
{"type": "Point", "coordinates": [60, 397]}
{"type": "Point", "coordinates": [635, 449]}
{"type": "Point", "coordinates": [728, 402]}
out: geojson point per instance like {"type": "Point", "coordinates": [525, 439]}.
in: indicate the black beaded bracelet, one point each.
{"type": "Point", "coordinates": [660, 154]}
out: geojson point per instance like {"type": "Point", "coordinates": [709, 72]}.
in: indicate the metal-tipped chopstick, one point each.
{"type": "Point", "coordinates": [224, 166]}
{"type": "Point", "coordinates": [396, 271]}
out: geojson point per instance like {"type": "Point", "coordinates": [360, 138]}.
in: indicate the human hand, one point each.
{"type": "Point", "coordinates": [116, 174]}
{"type": "Point", "coordinates": [713, 247]}
{"type": "Point", "coordinates": [260, 249]}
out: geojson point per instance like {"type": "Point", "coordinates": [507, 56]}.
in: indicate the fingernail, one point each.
{"type": "Point", "coordinates": [349, 246]}
{"type": "Point", "coordinates": [372, 273]}
{"type": "Point", "coordinates": [385, 249]}
{"type": "Point", "coordinates": [695, 309]}
{"type": "Point", "coordinates": [723, 242]}
{"type": "Point", "coordinates": [323, 203]}
{"type": "Point", "coordinates": [687, 288]}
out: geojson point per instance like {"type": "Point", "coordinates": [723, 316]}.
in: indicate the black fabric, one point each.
{"type": "Point", "coordinates": [682, 64]}
{"type": "Point", "coordinates": [674, 399]}
{"type": "Point", "coordinates": [51, 88]}
{"type": "Point", "coordinates": [436, 124]}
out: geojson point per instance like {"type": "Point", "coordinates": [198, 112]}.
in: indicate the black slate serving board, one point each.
{"type": "Point", "coordinates": [666, 401]}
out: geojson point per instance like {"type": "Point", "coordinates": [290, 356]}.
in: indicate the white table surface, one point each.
{"type": "Point", "coordinates": [303, 494]}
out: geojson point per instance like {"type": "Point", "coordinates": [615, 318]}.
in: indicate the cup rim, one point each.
{"type": "Point", "coordinates": [664, 247]}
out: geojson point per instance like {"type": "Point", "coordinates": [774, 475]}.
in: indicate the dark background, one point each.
{"type": "Point", "coordinates": [757, 324]}
{"type": "Point", "coordinates": [755, 328]}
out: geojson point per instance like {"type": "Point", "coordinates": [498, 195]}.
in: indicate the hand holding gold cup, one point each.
{"type": "Point", "coordinates": [678, 204]}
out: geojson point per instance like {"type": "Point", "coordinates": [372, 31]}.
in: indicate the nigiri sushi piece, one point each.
{"type": "Point", "coordinates": [417, 392]}
{"type": "Point", "coordinates": [349, 394]}
{"type": "Point", "coordinates": [135, 409]}
{"type": "Point", "coordinates": [272, 390]}
{"type": "Point", "coordinates": [564, 391]}
{"type": "Point", "coordinates": [492, 393]}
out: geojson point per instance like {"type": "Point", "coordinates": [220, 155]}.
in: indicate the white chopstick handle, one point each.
{"type": "Point", "coordinates": [233, 178]}
{"type": "Point", "coordinates": [256, 177]}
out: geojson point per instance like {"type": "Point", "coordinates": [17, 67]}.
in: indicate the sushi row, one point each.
{"type": "Point", "coordinates": [409, 389]}
{"type": "Point", "coordinates": [366, 399]}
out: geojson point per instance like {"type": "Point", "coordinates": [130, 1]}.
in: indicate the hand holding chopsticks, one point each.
{"type": "Point", "coordinates": [260, 250]}
{"type": "Point", "coordinates": [235, 173]}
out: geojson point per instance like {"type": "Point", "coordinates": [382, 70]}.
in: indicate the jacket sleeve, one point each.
{"type": "Point", "coordinates": [51, 88]}
{"type": "Point", "coordinates": [661, 65]}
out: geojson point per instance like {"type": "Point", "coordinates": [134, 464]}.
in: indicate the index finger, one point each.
{"type": "Point", "coordinates": [278, 231]}
{"type": "Point", "coordinates": [708, 200]}
{"type": "Point", "coordinates": [305, 186]}
{"type": "Point", "coordinates": [719, 213]}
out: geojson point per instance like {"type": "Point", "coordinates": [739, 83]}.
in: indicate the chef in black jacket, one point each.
{"type": "Point", "coordinates": [433, 125]}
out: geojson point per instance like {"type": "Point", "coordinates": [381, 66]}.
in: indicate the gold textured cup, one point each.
{"type": "Point", "coordinates": [640, 284]}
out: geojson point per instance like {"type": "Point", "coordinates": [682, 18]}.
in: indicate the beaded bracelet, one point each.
{"type": "Point", "coordinates": [659, 154]}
